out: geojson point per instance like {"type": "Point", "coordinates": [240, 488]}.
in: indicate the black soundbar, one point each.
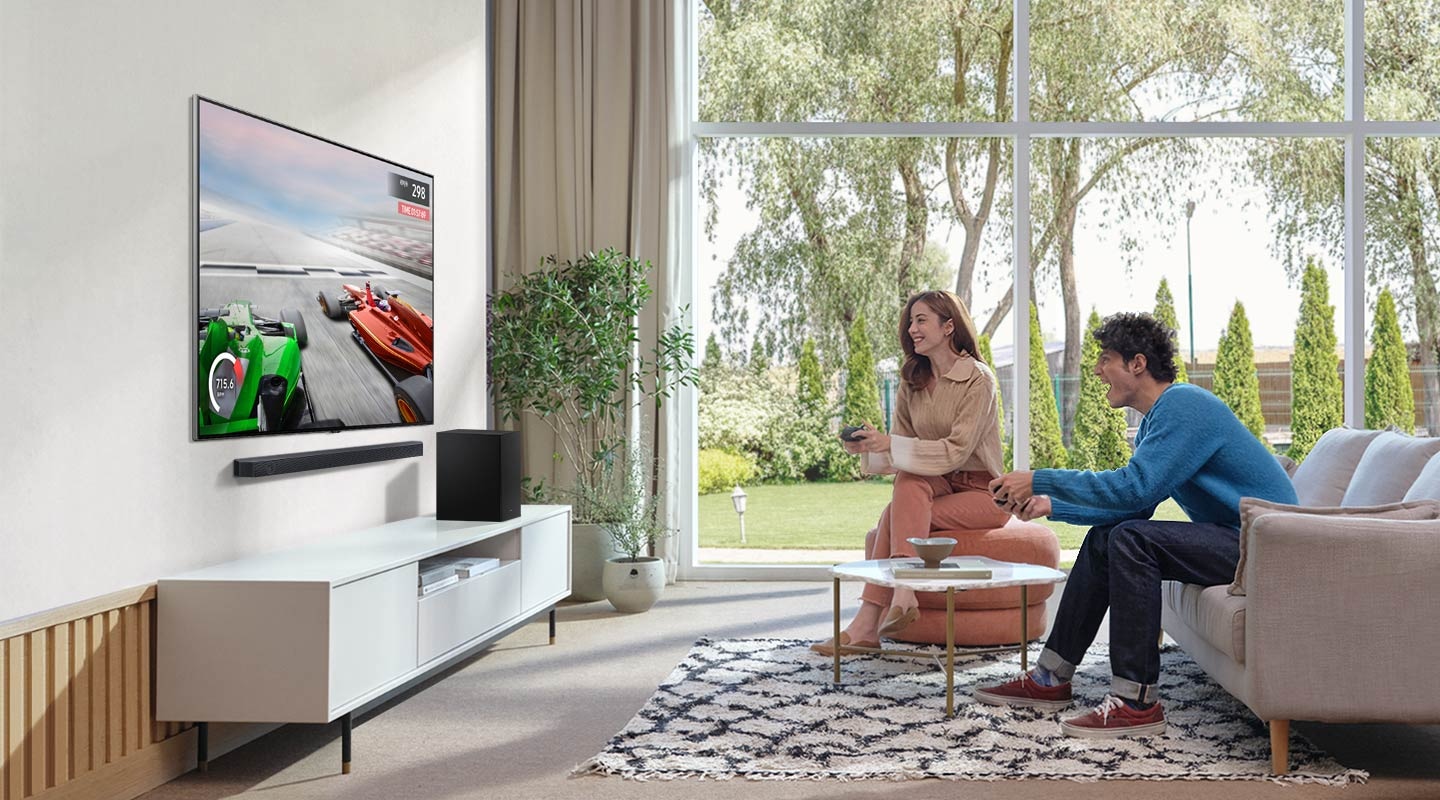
{"type": "Point", "coordinates": [261, 466]}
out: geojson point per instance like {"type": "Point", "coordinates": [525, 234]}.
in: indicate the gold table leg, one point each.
{"type": "Point", "coordinates": [950, 651]}
{"type": "Point", "coordinates": [836, 641]}
{"type": "Point", "coordinates": [1024, 628]}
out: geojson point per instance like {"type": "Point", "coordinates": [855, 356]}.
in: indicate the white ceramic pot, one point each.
{"type": "Point", "coordinates": [634, 586]}
{"type": "Point", "coordinates": [590, 548]}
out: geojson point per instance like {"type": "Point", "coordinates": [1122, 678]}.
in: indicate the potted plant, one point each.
{"type": "Point", "coordinates": [564, 346]}
{"type": "Point", "coordinates": [632, 580]}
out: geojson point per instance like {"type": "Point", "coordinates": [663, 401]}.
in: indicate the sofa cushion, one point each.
{"type": "Point", "coordinates": [1427, 485]}
{"type": "Point", "coordinates": [1252, 509]}
{"type": "Point", "coordinates": [1387, 470]}
{"type": "Point", "coordinates": [1212, 613]}
{"type": "Point", "coordinates": [1288, 464]}
{"type": "Point", "coordinates": [1322, 477]}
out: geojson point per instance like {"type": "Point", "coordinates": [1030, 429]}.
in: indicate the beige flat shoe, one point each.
{"type": "Point", "coordinates": [897, 619]}
{"type": "Point", "coordinates": [827, 647]}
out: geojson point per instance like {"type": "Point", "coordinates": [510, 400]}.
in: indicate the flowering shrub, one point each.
{"type": "Point", "coordinates": [761, 416]}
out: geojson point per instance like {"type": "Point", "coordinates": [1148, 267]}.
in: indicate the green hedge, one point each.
{"type": "Point", "coordinates": [719, 470]}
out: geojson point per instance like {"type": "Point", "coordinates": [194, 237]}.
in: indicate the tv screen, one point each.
{"type": "Point", "coordinates": [314, 281]}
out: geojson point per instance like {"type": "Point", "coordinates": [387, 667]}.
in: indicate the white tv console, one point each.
{"type": "Point", "coordinates": [313, 633]}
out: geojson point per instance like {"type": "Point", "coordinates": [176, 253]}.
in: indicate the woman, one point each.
{"type": "Point", "coordinates": [944, 449]}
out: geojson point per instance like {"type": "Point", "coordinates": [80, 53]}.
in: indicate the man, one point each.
{"type": "Point", "coordinates": [1190, 447]}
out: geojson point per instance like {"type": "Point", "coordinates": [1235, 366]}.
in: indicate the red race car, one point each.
{"type": "Point", "coordinates": [399, 339]}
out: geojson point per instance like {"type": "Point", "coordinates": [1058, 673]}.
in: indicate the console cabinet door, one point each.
{"type": "Point", "coordinates": [372, 632]}
{"type": "Point", "coordinates": [545, 556]}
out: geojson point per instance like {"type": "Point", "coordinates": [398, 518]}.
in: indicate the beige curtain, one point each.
{"type": "Point", "coordinates": [584, 141]}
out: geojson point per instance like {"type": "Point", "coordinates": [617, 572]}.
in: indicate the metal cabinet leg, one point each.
{"type": "Point", "coordinates": [202, 746]}
{"type": "Point", "coordinates": [345, 745]}
{"type": "Point", "coordinates": [552, 626]}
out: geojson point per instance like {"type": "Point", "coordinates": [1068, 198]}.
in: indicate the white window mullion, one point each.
{"type": "Point", "coordinates": [1020, 312]}
{"type": "Point", "coordinates": [1354, 274]}
{"type": "Point", "coordinates": [687, 505]}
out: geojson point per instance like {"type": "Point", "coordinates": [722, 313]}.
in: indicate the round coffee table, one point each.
{"type": "Point", "coordinates": [1002, 573]}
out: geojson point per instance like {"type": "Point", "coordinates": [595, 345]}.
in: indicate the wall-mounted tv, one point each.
{"type": "Point", "coordinates": [314, 281]}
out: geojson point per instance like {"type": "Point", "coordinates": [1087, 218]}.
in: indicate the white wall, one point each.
{"type": "Point", "coordinates": [102, 487]}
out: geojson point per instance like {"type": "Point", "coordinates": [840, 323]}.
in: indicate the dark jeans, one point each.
{"type": "Point", "coordinates": [1120, 568]}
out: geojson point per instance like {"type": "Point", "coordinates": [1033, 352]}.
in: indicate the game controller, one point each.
{"type": "Point", "coordinates": [848, 432]}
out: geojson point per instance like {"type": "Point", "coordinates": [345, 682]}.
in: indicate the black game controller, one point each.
{"type": "Point", "coordinates": [847, 433]}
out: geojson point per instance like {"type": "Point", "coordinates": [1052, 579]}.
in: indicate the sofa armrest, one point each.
{"type": "Point", "coordinates": [1340, 618]}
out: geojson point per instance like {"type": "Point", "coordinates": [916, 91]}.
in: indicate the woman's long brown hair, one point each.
{"type": "Point", "coordinates": [917, 371]}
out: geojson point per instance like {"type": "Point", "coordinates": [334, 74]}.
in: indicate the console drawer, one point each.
{"type": "Point", "coordinates": [459, 613]}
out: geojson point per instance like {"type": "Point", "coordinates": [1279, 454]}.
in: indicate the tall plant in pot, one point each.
{"type": "Point", "coordinates": [632, 580]}
{"type": "Point", "coordinates": [564, 345]}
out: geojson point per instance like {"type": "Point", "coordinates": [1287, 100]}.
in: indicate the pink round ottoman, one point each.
{"type": "Point", "coordinates": [990, 616]}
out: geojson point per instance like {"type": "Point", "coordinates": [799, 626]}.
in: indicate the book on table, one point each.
{"type": "Point", "coordinates": [434, 570]}
{"type": "Point", "coordinates": [475, 565]}
{"type": "Point", "coordinates": [951, 569]}
{"type": "Point", "coordinates": [436, 586]}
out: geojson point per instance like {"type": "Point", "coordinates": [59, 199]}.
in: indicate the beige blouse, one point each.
{"type": "Point", "coordinates": [952, 426]}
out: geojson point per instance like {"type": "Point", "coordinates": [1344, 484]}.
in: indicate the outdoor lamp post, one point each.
{"type": "Point", "coordinates": [738, 498]}
{"type": "Point", "coordinates": [1189, 279]}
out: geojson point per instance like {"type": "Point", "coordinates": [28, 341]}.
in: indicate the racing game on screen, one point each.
{"type": "Point", "coordinates": [314, 282]}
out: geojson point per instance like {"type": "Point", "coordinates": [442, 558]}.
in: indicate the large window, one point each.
{"type": "Point", "coordinates": [1210, 159]}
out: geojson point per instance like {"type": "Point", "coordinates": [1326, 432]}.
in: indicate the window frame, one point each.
{"type": "Point", "coordinates": [1353, 130]}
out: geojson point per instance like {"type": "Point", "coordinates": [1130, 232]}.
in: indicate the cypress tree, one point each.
{"type": "Point", "coordinates": [810, 390]}
{"type": "Point", "coordinates": [1235, 380]}
{"type": "Point", "coordinates": [1165, 314]}
{"type": "Point", "coordinates": [1047, 448]}
{"type": "Point", "coordinates": [983, 345]}
{"type": "Point", "coordinates": [1317, 402]}
{"type": "Point", "coordinates": [713, 357]}
{"type": "Point", "coordinates": [1099, 439]}
{"type": "Point", "coordinates": [862, 384]}
{"type": "Point", "coordinates": [1388, 397]}
{"type": "Point", "coordinates": [759, 361]}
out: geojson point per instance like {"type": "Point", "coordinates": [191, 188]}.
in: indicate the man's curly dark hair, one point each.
{"type": "Point", "coordinates": [1129, 334]}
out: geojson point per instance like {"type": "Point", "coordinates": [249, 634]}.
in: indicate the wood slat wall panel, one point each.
{"type": "Point", "coordinates": [115, 688]}
{"type": "Point", "coordinates": [131, 676]}
{"type": "Point", "coordinates": [99, 701]}
{"type": "Point", "coordinates": [39, 700]}
{"type": "Point", "coordinates": [80, 696]}
{"type": "Point", "coordinates": [59, 704]}
{"type": "Point", "coordinates": [4, 719]}
{"type": "Point", "coordinates": [15, 686]}
{"type": "Point", "coordinates": [74, 611]}
{"type": "Point", "coordinates": [147, 675]}
{"type": "Point", "coordinates": [76, 698]}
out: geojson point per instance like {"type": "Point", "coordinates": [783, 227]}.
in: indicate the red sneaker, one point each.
{"type": "Point", "coordinates": [1024, 691]}
{"type": "Point", "coordinates": [1113, 717]}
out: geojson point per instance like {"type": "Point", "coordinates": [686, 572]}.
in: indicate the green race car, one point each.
{"type": "Point", "coordinates": [250, 374]}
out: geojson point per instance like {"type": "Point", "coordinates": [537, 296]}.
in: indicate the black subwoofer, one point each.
{"type": "Point", "coordinates": [477, 475]}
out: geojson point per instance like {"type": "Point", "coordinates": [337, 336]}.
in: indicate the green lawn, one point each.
{"type": "Point", "coordinates": [826, 516]}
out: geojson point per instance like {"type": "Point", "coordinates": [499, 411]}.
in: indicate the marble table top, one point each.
{"type": "Point", "coordinates": [1002, 573]}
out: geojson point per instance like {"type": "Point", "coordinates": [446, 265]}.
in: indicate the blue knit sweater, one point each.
{"type": "Point", "coordinates": [1189, 447]}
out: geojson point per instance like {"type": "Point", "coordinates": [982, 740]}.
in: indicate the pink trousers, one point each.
{"type": "Point", "coordinates": [925, 503]}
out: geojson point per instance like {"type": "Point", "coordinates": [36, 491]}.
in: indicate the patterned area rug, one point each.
{"type": "Point", "coordinates": [766, 709]}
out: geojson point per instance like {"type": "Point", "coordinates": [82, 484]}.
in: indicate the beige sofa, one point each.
{"type": "Point", "coordinates": [1335, 609]}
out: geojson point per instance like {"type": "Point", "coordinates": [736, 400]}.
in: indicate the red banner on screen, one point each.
{"type": "Point", "coordinates": [414, 211]}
